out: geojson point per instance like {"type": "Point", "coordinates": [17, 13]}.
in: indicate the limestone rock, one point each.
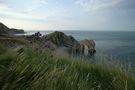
{"type": "Point", "coordinates": [88, 45]}
{"type": "Point", "coordinates": [5, 30]}
{"type": "Point", "coordinates": [62, 40]}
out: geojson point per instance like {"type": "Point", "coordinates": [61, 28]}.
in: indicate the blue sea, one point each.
{"type": "Point", "coordinates": [119, 45]}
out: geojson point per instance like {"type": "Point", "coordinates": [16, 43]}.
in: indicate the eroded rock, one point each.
{"type": "Point", "coordinates": [75, 47]}
{"type": "Point", "coordinates": [10, 31]}
{"type": "Point", "coordinates": [88, 46]}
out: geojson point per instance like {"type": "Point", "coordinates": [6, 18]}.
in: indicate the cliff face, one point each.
{"type": "Point", "coordinates": [17, 31]}
{"type": "Point", "coordinates": [5, 30]}
{"type": "Point", "coordinates": [62, 40]}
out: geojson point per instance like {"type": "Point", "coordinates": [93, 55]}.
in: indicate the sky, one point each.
{"type": "Point", "coordinates": [101, 15]}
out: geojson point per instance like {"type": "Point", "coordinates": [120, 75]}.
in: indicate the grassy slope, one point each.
{"type": "Point", "coordinates": [18, 39]}
{"type": "Point", "coordinates": [25, 68]}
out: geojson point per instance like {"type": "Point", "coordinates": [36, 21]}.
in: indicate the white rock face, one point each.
{"type": "Point", "coordinates": [89, 46]}
{"type": "Point", "coordinates": [86, 50]}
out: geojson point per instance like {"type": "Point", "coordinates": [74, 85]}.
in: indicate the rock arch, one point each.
{"type": "Point", "coordinates": [88, 44]}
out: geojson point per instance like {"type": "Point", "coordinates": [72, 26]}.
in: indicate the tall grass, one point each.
{"type": "Point", "coordinates": [26, 68]}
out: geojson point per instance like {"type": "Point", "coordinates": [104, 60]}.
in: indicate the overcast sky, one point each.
{"type": "Point", "coordinates": [69, 14]}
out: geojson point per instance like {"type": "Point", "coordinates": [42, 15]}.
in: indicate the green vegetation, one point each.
{"type": "Point", "coordinates": [25, 68]}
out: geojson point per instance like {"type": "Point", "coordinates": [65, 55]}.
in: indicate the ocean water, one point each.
{"type": "Point", "coordinates": [117, 44]}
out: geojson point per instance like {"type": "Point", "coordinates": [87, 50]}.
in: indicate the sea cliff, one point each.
{"type": "Point", "coordinates": [10, 31]}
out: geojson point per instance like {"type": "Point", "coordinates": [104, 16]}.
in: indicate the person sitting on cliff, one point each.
{"type": "Point", "coordinates": [38, 35]}
{"type": "Point", "coordinates": [34, 37]}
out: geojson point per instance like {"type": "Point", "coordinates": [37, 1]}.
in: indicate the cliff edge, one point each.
{"type": "Point", "coordinates": [10, 31]}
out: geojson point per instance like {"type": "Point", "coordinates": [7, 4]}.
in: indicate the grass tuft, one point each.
{"type": "Point", "coordinates": [26, 68]}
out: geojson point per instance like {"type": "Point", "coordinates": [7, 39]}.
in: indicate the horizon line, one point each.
{"type": "Point", "coordinates": [78, 30]}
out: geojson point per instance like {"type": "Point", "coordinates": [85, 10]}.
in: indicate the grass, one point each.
{"type": "Point", "coordinates": [25, 68]}
{"type": "Point", "coordinates": [18, 39]}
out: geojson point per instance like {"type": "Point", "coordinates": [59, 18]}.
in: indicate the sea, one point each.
{"type": "Point", "coordinates": [117, 45]}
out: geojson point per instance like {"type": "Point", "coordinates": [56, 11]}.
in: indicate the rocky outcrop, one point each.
{"type": "Point", "coordinates": [58, 42]}
{"type": "Point", "coordinates": [88, 46]}
{"type": "Point", "coordinates": [17, 31]}
{"type": "Point", "coordinates": [5, 30]}
{"type": "Point", "coordinates": [62, 40]}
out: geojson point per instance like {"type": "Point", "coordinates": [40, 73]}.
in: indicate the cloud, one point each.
{"type": "Point", "coordinates": [23, 24]}
{"type": "Point", "coordinates": [4, 7]}
{"type": "Point", "coordinates": [28, 18]}
{"type": "Point", "coordinates": [35, 5]}
{"type": "Point", "coordinates": [1, 1]}
{"type": "Point", "coordinates": [10, 11]}
{"type": "Point", "coordinates": [20, 6]}
{"type": "Point", "coordinates": [127, 4]}
{"type": "Point", "coordinates": [6, 12]}
{"type": "Point", "coordinates": [92, 5]}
